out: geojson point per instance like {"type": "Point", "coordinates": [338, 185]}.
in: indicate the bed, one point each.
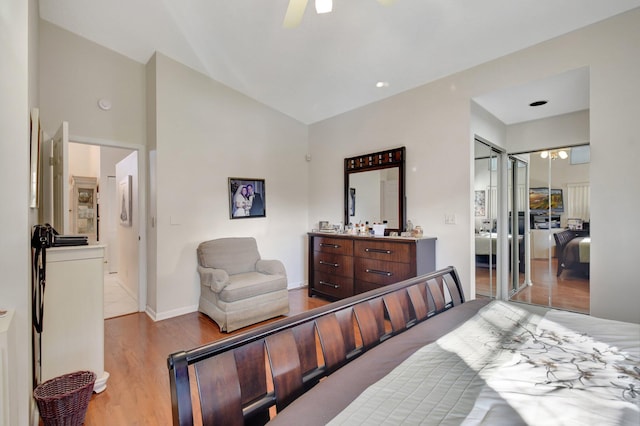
{"type": "Point", "coordinates": [486, 246]}
{"type": "Point", "coordinates": [415, 352]}
{"type": "Point", "coordinates": [573, 249]}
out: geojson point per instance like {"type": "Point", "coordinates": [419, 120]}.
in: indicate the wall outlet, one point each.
{"type": "Point", "coordinates": [450, 219]}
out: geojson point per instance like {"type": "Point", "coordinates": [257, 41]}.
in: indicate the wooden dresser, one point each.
{"type": "Point", "coordinates": [342, 265]}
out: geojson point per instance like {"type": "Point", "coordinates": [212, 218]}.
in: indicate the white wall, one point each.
{"type": "Point", "coordinates": [84, 160]}
{"type": "Point", "coordinates": [16, 71]}
{"type": "Point", "coordinates": [75, 73]}
{"type": "Point", "coordinates": [434, 123]}
{"type": "Point", "coordinates": [207, 133]}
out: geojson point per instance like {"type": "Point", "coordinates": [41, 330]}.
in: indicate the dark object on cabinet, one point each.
{"type": "Point", "coordinates": [344, 265]}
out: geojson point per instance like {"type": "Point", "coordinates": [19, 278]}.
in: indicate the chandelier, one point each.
{"type": "Point", "coordinates": [562, 154]}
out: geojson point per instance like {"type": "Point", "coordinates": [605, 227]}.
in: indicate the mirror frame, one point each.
{"type": "Point", "coordinates": [387, 159]}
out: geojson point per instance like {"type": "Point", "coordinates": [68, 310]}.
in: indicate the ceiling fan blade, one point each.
{"type": "Point", "coordinates": [386, 2]}
{"type": "Point", "coordinates": [294, 14]}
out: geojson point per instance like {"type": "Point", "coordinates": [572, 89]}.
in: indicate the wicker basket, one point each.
{"type": "Point", "coordinates": [64, 400]}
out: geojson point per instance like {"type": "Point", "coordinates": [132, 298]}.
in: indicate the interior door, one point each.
{"type": "Point", "coordinates": [111, 225]}
{"type": "Point", "coordinates": [486, 234]}
{"type": "Point", "coordinates": [518, 208]}
{"type": "Point", "coordinates": [60, 164]}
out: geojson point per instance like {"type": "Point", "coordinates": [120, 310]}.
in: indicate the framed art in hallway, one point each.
{"type": "Point", "coordinates": [247, 198]}
{"type": "Point", "coordinates": [124, 201]}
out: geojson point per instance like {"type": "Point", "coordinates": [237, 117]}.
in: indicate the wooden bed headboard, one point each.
{"type": "Point", "coordinates": [244, 379]}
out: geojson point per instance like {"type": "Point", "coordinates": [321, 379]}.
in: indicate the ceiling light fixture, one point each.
{"type": "Point", "coordinates": [381, 84]}
{"type": "Point", "coordinates": [538, 103]}
{"type": "Point", "coordinates": [562, 154]}
{"type": "Point", "coordinates": [324, 6]}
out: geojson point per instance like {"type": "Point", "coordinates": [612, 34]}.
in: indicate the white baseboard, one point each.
{"type": "Point", "coordinates": [159, 316]}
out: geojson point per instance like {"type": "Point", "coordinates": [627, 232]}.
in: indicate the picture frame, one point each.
{"type": "Point", "coordinates": [124, 201]}
{"type": "Point", "coordinates": [34, 157]}
{"type": "Point", "coordinates": [247, 198]}
{"type": "Point", "coordinates": [480, 203]}
{"type": "Point", "coordinates": [352, 201]}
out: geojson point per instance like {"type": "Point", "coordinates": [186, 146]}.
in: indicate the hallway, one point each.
{"type": "Point", "coordinates": [117, 301]}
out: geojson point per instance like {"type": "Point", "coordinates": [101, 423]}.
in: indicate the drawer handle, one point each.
{"type": "Point", "coordinates": [371, 250]}
{"type": "Point", "coordinates": [375, 271]}
{"type": "Point", "coordinates": [335, 265]}
{"type": "Point", "coordinates": [329, 284]}
{"type": "Point", "coordinates": [335, 246]}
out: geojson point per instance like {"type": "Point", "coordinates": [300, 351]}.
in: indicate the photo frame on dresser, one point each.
{"type": "Point", "coordinates": [247, 198]}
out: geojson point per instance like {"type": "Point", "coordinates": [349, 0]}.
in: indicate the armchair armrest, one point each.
{"type": "Point", "coordinates": [217, 279]}
{"type": "Point", "coordinates": [270, 267]}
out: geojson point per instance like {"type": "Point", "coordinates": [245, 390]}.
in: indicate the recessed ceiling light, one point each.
{"type": "Point", "coordinates": [381, 84]}
{"type": "Point", "coordinates": [537, 103]}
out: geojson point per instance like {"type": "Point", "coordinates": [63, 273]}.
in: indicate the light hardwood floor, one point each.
{"type": "Point", "coordinates": [569, 291]}
{"type": "Point", "coordinates": [136, 350]}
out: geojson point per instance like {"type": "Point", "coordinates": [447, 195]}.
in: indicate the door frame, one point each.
{"type": "Point", "coordinates": [142, 203]}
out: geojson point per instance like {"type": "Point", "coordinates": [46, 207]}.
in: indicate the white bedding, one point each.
{"type": "Point", "coordinates": [509, 366]}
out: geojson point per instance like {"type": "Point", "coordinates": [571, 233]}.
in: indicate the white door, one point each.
{"type": "Point", "coordinates": [128, 235]}
{"type": "Point", "coordinates": [111, 230]}
{"type": "Point", "coordinates": [61, 179]}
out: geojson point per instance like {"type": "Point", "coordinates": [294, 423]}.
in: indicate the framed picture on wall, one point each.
{"type": "Point", "coordinates": [247, 198]}
{"type": "Point", "coordinates": [480, 203]}
{"type": "Point", "coordinates": [124, 201]}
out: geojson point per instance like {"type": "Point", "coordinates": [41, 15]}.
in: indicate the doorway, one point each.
{"type": "Point", "coordinates": [559, 203]}
{"type": "Point", "coordinates": [115, 170]}
{"type": "Point", "coordinates": [87, 161]}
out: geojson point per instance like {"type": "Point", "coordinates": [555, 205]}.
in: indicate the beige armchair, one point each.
{"type": "Point", "coordinates": [237, 287]}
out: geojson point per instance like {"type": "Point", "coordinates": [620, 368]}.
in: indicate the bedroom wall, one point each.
{"type": "Point", "coordinates": [434, 123]}
{"type": "Point", "coordinates": [75, 73]}
{"type": "Point", "coordinates": [206, 133]}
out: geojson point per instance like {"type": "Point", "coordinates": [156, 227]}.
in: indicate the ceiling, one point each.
{"type": "Point", "coordinates": [331, 63]}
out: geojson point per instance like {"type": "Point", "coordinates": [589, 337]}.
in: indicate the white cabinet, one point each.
{"type": "Point", "coordinates": [84, 206]}
{"type": "Point", "coordinates": [73, 321]}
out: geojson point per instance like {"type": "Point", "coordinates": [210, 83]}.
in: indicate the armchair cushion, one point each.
{"type": "Point", "coordinates": [234, 255]}
{"type": "Point", "coordinates": [217, 279]}
{"type": "Point", "coordinates": [251, 284]}
{"type": "Point", "coordinates": [270, 267]}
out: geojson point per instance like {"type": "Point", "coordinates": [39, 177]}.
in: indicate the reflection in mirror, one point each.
{"type": "Point", "coordinates": [373, 197]}
{"type": "Point", "coordinates": [374, 189]}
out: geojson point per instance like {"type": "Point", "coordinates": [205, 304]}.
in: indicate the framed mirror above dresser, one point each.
{"type": "Point", "coordinates": [374, 189]}
{"type": "Point", "coordinates": [342, 264]}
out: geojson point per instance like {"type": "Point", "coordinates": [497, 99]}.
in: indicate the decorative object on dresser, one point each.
{"type": "Point", "coordinates": [344, 265]}
{"type": "Point", "coordinates": [238, 288]}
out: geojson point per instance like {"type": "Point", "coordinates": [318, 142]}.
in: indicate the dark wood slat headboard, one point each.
{"type": "Point", "coordinates": [244, 378]}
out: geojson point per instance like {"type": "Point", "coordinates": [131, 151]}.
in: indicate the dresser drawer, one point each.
{"type": "Point", "coordinates": [334, 264]}
{"type": "Point", "coordinates": [381, 272]}
{"type": "Point", "coordinates": [383, 250]}
{"type": "Point", "coordinates": [333, 285]}
{"type": "Point", "coordinates": [333, 245]}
